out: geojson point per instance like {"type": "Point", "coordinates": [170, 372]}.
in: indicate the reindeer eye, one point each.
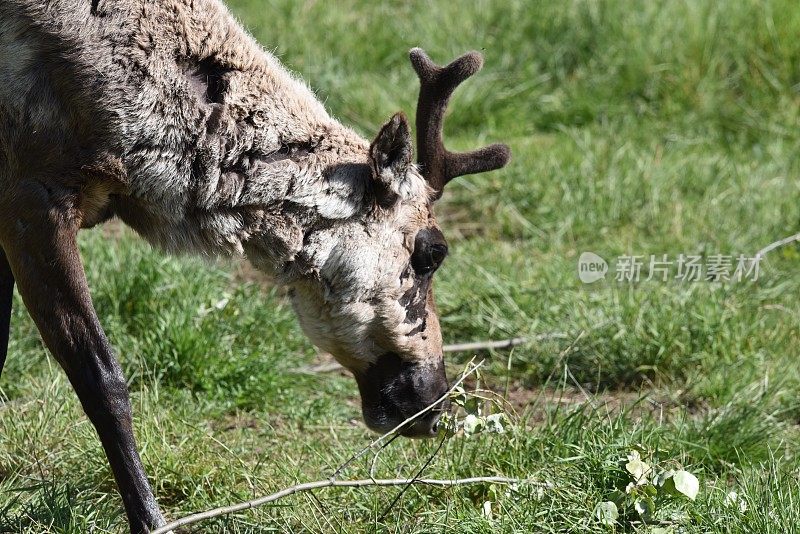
{"type": "Point", "coordinates": [430, 251]}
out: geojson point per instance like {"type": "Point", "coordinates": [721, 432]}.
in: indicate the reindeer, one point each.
{"type": "Point", "coordinates": [169, 116]}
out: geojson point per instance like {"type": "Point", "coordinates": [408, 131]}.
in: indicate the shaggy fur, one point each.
{"type": "Point", "coordinates": [170, 116]}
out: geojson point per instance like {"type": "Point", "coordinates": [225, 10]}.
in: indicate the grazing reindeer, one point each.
{"type": "Point", "coordinates": [169, 116]}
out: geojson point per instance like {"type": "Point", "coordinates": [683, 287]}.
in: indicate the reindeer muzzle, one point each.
{"type": "Point", "coordinates": [393, 390]}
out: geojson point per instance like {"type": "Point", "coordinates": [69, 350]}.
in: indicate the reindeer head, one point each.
{"type": "Point", "coordinates": [372, 303]}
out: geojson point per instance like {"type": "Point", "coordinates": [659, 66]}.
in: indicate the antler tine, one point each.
{"type": "Point", "coordinates": [437, 84]}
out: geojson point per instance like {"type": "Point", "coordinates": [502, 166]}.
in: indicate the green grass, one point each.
{"type": "Point", "coordinates": [637, 128]}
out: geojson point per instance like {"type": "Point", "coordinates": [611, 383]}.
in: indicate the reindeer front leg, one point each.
{"type": "Point", "coordinates": [40, 241]}
{"type": "Point", "coordinates": [6, 294]}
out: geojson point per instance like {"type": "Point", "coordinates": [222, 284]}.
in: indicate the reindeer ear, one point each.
{"type": "Point", "coordinates": [390, 156]}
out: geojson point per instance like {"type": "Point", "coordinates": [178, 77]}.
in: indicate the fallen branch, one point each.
{"type": "Point", "coordinates": [777, 244]}
{"type": "Point", "coordinates": [502, 343]}
{"type": "Point", "coordinates": [329, 367]}
{"type": "Point", "coordinates": [331, 483]}
{"type": "Point", "coordinates": [455, 347]}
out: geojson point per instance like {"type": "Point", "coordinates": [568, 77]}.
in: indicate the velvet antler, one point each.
{"type": "Point", "coordinates": [437, 84]}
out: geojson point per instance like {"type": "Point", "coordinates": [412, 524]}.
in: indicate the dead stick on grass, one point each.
{"type": "Point", "coordinates": [330, 483]}
{"type": "Point", "coordinates": [455, 347]}
{"type": "Point", "coordinates": [777, 244]}
{"type": "Point", "coordinates": [502, 343]}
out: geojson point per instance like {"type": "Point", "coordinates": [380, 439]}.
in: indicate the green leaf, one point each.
{"type": "Point", "coordinates": [606, 513]}
{"type": "Point", "coordinates": [686, 483]}
{"type": "Point", "coordinates": [473, 424]}
{"type": "Point", "coordinates": [662, 478]}
{"type": "Point", "coordinates": [473, 406]}
{"type": "Point", "coordinates": [644, 507]}
{"type": "Point", "coordinates": [487, 509]}
{"type": "Point", "coordinates": [496, 423]}
{"type": "Point", "coordinates": [733, 500]}
{"type": "Point", "coordinates": [447, 426]}
{"type": "Point", "coordinates": [682, 484]}
{"type": "Point", "coordinates": [618, 497]}
{"type": "Point", "coordinates": [458, 396]}
{"type": "Point", "coordinates": [638, 470]}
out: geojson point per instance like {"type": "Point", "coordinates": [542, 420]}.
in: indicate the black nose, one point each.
{"type": "Point", "coordinates": [394, 390]}
{"type": "Point", "coordinates": [424, 427]}
{"type": "Point", "coordinates": [427, 425]}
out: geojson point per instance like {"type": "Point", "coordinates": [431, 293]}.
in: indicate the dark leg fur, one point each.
{"type": "Point", "coordinates": [6, 292]}
{"type": "Point", "coordinates": [44, 257]}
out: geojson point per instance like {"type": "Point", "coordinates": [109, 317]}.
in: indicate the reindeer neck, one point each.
{"type": "Point", "coordinates": [239, 194]}
{"type": "Point", "coordinates": [226, 151]}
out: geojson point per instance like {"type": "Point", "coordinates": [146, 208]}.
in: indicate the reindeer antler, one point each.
{"type": "Point", "coordinates": [437, 84]}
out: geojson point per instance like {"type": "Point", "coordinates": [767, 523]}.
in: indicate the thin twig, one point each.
{"type": "Point", "coordinates": [455, 347]}
{"type": "Point", "coordinates": [772, 246]}
{"type": "Point", "coordinates": [377, 454]}
{"type": "Point", "coordinates": [502, 343]}
{"type": "Point", "coordinates": [330, 483]}
{"type": "Point", "coordinates": [330, 367]}
{"type": "Point", "coordinates": [416, 477]}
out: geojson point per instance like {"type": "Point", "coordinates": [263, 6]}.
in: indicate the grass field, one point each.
{"type": "Point", "coordinates": [638, 128]}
